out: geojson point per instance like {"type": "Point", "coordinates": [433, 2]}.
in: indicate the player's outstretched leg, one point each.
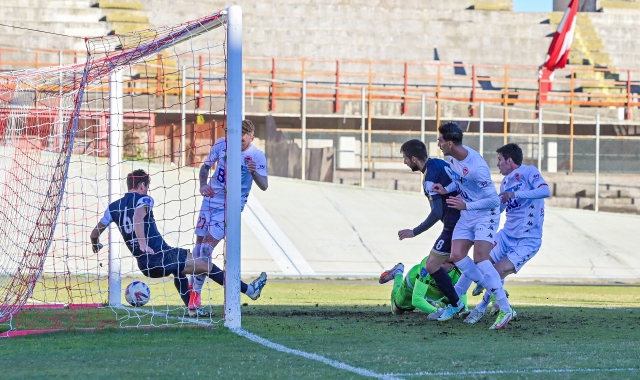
{"type": "Point", "coordinates": [255, 287]}
{"type": "Point", "coordinates": [390, 274]}
{"type": "Point", "coordinates": [252, 290]}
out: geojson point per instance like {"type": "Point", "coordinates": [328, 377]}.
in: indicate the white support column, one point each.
{"type": "Point", "coordinates": [116, 118]}
{"type": "Point", "coordinates": [232, 309]}
{"type": "Point", "coordinates": [59, 132]}
{"type": "Point", "coordinates": [540, 139]}
{"type": "Point", "coordinates": [597, 196]}
{"type": "Point", "coordinates": [481, 147]}
{"type": "Point", "coordinates": [363, 106]}
{"type": "Point", "coordinates": [422, 112]}
{"type": "Point", "coordinates": [303, 115]}
{"type": "Point", "coordinates": [183, 118]}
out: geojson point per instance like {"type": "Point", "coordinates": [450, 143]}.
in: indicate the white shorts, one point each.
{"type": "Point", "coordinates": [518, 251]}
{"type": "Point", "coordinates": [477, 229]}
{"type": "Point", "coordinates": [211, 218]}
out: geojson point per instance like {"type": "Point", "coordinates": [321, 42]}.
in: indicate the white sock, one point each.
{"type": "Point", "coordinates": [486, 299]}
{"type": "Point", "coordinates": [469, 270]}
{"type": "Point", "coordinates": [206, 252]}
{"type": "Point", "coordinates": [494, 284]}
{"type": "Point", "coordinates": [463, 284]}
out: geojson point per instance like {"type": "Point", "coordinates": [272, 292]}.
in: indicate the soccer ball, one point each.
{"type": "Point", "coordinates": [137, 293]}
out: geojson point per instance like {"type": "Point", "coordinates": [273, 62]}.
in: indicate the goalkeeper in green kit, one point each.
{"type": "Point", "coordinates": [418, 289]}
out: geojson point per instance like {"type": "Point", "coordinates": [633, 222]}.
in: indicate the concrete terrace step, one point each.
{"type": "Point", "coordinates": [50, 4]}
{"type": "Point", "coordinates": [50, 15]}
{"type": "Point", "coordinates": [120, 15]}
{"type": "Point", "coordinates": [119, 4]}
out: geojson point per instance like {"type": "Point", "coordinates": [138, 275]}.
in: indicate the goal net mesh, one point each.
{"type": "Point", "coordinates": [54, 169]}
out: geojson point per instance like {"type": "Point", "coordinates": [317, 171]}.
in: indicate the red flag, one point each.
{"type": "Point", "coordinates": [562, 40]}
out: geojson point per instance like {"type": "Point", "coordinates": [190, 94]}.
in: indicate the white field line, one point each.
{"type": "Point", "coordinates": [517, 372]}
{"type": "Point", "coordinates": [310, 356]}
{"type": "Point", "coordinates": [275, 346]}
{"type": "Point", "coordinates": [573, 306]}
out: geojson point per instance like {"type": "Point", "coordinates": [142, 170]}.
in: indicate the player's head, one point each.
{"type": "Point", "coordinates": [449, 135]}
{"type": "Point", "coordinates": [138, 181]}
{"type": "Point", "coordinates": [509, 158]}
{"type": "Point", "coordinates": [247, 133]}
{"type": "Point", "coordinates": [414, 153]}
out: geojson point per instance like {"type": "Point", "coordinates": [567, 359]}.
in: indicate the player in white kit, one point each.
{"type": "Point", "coordinates": [479, 217]}
{"type": "Point", "coordinates": [522, 194]}
{"type": "Point", "coordinates": [210, 228]}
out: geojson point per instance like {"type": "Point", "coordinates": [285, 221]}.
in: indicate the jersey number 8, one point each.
{"type": "Point", "coordinates": [220, 176]}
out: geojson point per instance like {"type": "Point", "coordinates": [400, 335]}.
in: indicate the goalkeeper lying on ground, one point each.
{"type": "Point", "coordinates": [418, 289]}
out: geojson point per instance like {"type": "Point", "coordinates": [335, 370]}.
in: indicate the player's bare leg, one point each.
{"type": "Point", "coordinates": [204, 251]}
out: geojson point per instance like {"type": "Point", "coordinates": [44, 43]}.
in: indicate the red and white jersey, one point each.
{"type": "Point", "coordinates": [218, 155]}
{"type": "Point", "coordinates": [525, 212]}
{"type": "Point", "coordinates": [473, 181]}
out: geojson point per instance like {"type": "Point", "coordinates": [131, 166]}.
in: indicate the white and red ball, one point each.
{"type": "Point", "coordinates": [137, 293]}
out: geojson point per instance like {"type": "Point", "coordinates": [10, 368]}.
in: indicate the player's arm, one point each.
{"type": "Point", "coordinates": [444, 190]}
{"type": "Point", "coordinates": [98, 230]}
{"type": "Point", "coordinates": [489, 198]}
{"type": "Point", "coordinates": [213, 157]}
{"type": "Point", "coordinates": [95, 237]}
{"type": "Point", "coordinates": [138, 229]}
{"type": "Point", "coordinates": [258, 170]}
{"type": "Point", "coordinates": [205, 189]}
{"type": "Point", "coordinates": [539, 187]}
{"type": "Point", "coordinates": [418, 297]}
{"type": "Point", "coordinates": [262, 181]}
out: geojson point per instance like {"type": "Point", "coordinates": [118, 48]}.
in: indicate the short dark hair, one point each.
{"type": "Point", "coordinates": [511, 151]}
{"type": "Point", "coordinates": [248, 127]}
{"type": "Point", "coordinates": [137, 177]}
{"type": "Point", "coordinates": [451, 131]}
{"type": "Point", "coordinates": [414, 148]}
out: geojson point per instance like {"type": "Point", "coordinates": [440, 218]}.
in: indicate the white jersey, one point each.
{"type": "Point", "coordinates": [473, 181]}
{"type": "Point", "coordinates": [525, 214]}
{"type": "Point", "coordinates": [218, 180]}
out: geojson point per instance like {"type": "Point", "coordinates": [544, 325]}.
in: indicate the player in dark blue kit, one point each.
{"type": "Point", "coordinates": [134, 216]}
{"type": "Point", "coordinates": [416, 158]}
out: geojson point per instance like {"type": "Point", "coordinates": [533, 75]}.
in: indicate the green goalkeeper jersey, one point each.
{"type": "Point", "coordinates": [418, 288]}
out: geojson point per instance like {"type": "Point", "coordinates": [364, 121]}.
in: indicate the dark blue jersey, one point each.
{"type": "Point", "coordinates": [435, 172]}
{"type": "Point", "coordinates": [121, 213]}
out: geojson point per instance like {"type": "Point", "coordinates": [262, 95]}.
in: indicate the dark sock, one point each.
{"type": "Point", "coordinates": [182, 285]}
{"type": "Point", "coordinates": [217, 275]}
{"type": "Point", "coordinates": [444, 283]}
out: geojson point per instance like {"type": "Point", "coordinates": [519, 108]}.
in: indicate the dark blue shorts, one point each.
{"type": "Point", "coordinates": [442, 246]}
{"type": "Point", "coordinates": [163, 263]}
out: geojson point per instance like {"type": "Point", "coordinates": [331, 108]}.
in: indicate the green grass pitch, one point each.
{"type": "Point", "coordinates": [563, 332]}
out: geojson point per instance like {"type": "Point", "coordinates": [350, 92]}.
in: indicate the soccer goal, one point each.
{"type": "Point", "coordinates": [155, 100]}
